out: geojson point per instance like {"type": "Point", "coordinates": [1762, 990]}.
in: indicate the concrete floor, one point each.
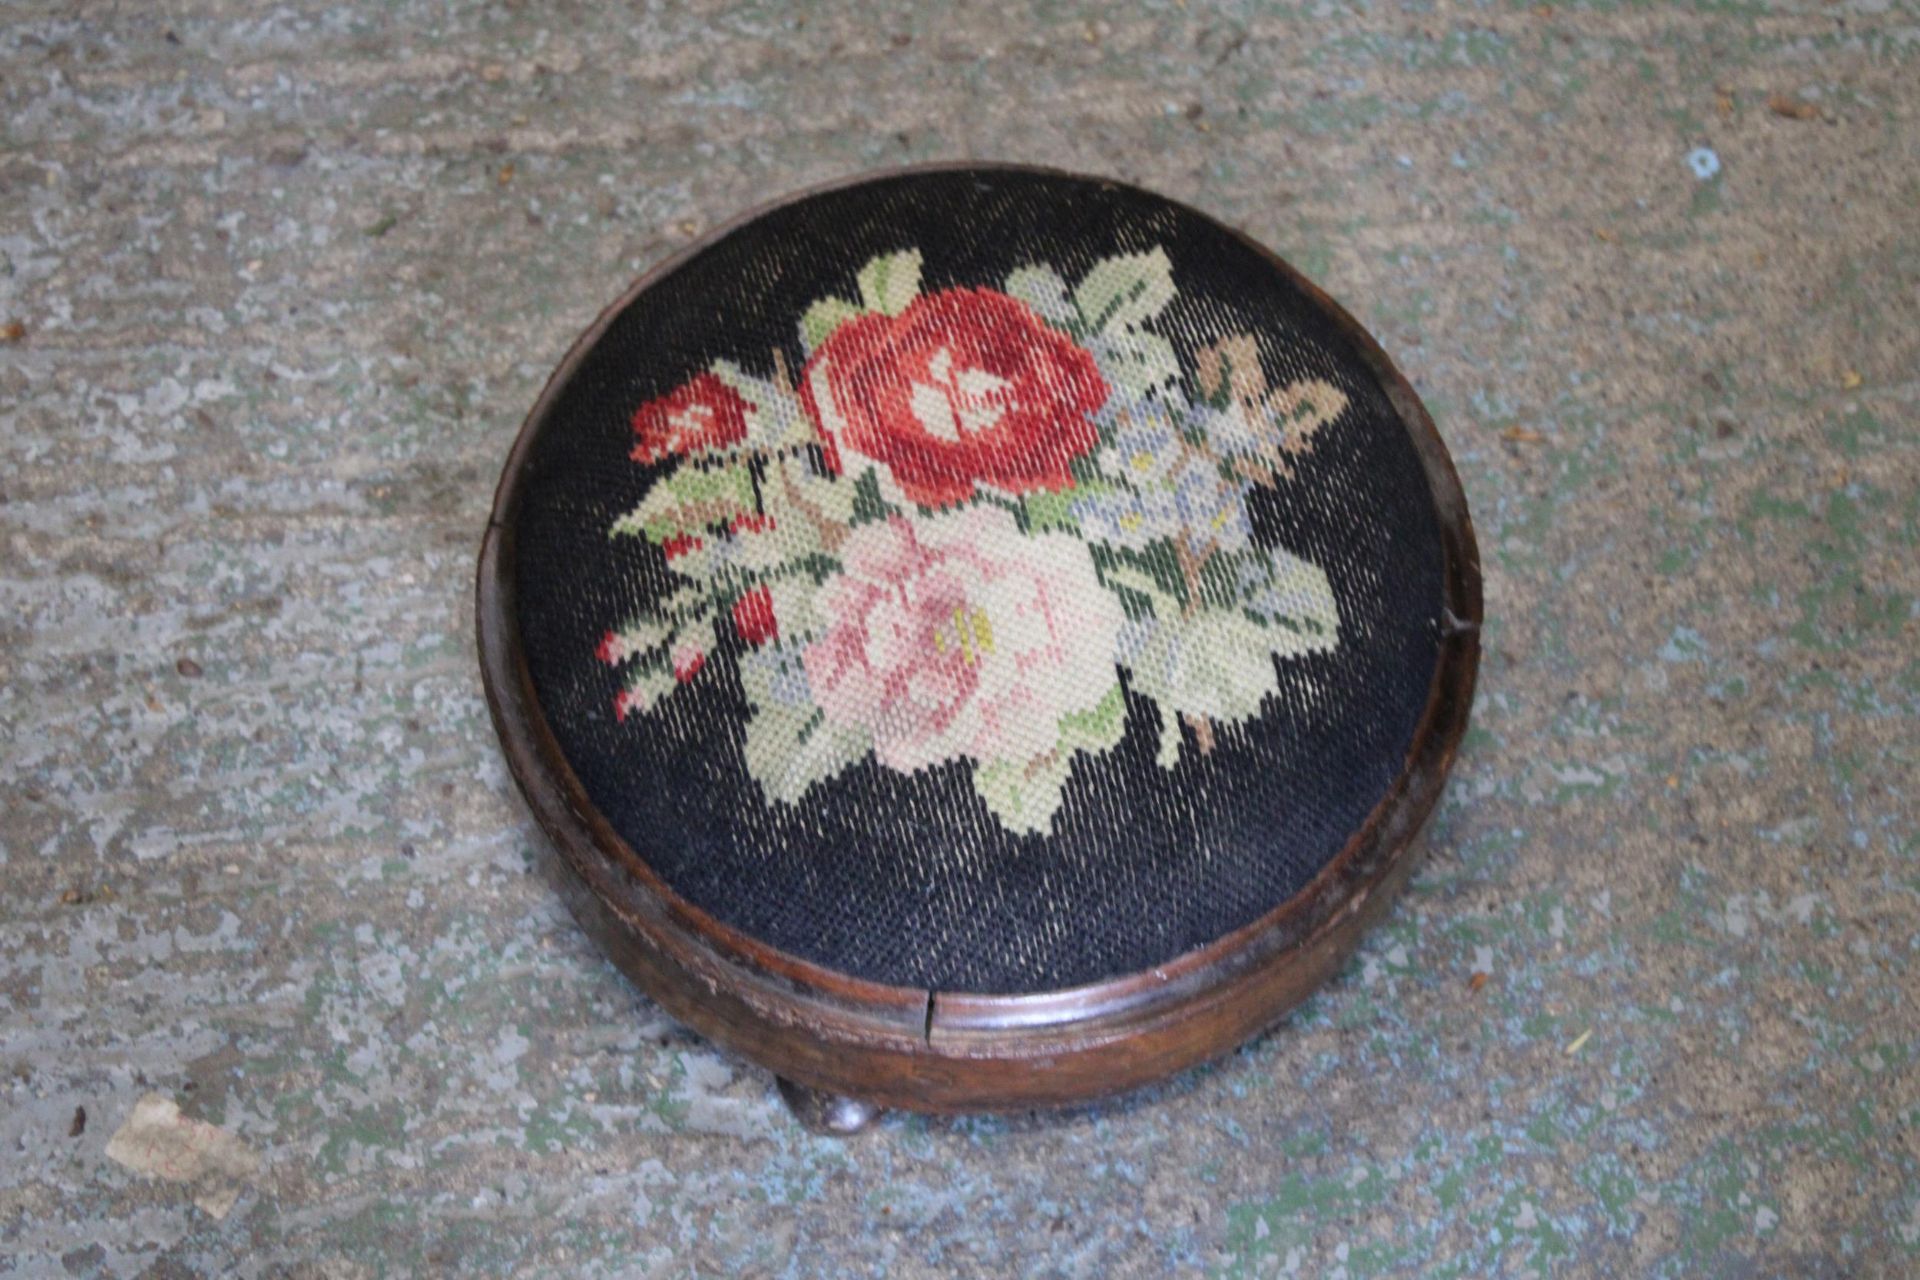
{"type": "Point", "coordinates": [286, 278]}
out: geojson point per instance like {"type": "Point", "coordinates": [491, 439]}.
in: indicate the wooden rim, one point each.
{"type": "Point", "coordinates": [944, 1051]}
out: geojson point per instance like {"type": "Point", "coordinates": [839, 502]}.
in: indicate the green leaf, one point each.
{"type": "Point", "coordinates": [822, 318]}
{"type": "Point", "coordinates": [647, 686]}
{"type": "Point", "coordinates": [656, 518]}
{"type": "Point", "coordinates": [791, 745]}
{"type": "Point", "coordinates": [729, 487]}
{"type": "Point", "coordinates": [1123, 292]}
{"type": "Point", "coordinates": [1042, 289]}
{"type": "Point", "coordinates": [1098, 729]}
{"type": "Point", "coordinates": [688, 499]}
{"type": "Point", "coordinates": [1295, 607]}
{"type": "Point", "coordinates": [689, 604]}
{"type": "Point", "coordinates": [1154, 568]}
{"type": "Point", "coordinates": [1025, 794]}
{"type": "Point", "coordinates": [802, 501]}
{"type": "Point", "coordinates": [1140, 361]}
{"type": "Point", "coordinates": [1053, 509]}
{"type": "Point", "coordinates": [1216, 663]}
{"type": "Point", "coordinates": [794, 594]}
{"type": "Point", "coordinates": [1130, 576]}
{"type": "Point", "coordinates": [1220, 577]}
{"type": "Point", "coordinates": [868, 505]}
{"type": "Point", "coordinates": [889, 283]}
{"type": "Point", "coordinates": [1168, 753]}
{"type": "Point", "coordinates": [752, 554]}
{"type": "Point", "coordinates": [643, 634]}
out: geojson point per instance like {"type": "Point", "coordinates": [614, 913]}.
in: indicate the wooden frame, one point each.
{"type": "Point", "coordinates": [951, 1051]}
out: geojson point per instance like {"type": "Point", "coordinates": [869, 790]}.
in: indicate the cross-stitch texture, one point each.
{"type": "Point", "coordinates": [988, 581]}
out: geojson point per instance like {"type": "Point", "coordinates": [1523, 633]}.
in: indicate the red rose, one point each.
{"type": "Point", "coordinates": [963, 386]}
{"type": "Point", "coordinates": [753, 617]}
{"type": "Point", "coordinates": [706, 413]}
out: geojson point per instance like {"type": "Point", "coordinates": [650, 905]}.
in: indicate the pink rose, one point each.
{"type": "Point", "coordinates": [957, 636]}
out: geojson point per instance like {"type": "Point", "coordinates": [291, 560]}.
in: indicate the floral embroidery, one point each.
{"type": "Point", "coordinates": [965, 519]}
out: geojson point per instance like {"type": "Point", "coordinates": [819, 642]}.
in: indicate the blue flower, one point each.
{"type": "Point", "coordinates": [1211, 510]}
{"type": "Point", "coordinates": [1145, 445]}
{"type": "Point", "coordinates": [1127, 518]}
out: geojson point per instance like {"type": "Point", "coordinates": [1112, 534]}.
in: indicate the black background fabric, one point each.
{"type": "Point", "coordinates": [907, 879]}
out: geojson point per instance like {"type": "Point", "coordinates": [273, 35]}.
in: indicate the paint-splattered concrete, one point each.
{"type": "Point", "coordinates": [286, 277]}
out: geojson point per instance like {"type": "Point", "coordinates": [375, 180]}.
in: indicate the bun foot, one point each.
{"type": "Point", "coordinates": [828, 1113]}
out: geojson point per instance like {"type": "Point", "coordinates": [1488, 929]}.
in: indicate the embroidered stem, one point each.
{"type": "Point", "coordinates": [832, 534]}
{"type": "Point", "coordinates": [1190, 573]}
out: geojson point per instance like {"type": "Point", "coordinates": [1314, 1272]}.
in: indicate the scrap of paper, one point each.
{"type": "Point", "coordinates": [159, 1141]}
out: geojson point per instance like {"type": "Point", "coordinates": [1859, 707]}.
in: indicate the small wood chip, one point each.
{"type": "Point", "coordinates": [506, 174]}
{"type": "Point", "coordinates": [1579, 1042]}
{"type": "Point", "coordinates": [1851, 379]}
{"type": "Point", "coordinates": [1478, 980]}
{"type": "Point", "coordinates": [1522, 435]}
{"type": "Point", "coordinates": [189, 668]}
{"type": "Point", "coordinates": [1601, 233]}
{"type": "Point", "coordinates": [1792, 108]}
{"type": "Point", "coordinates": [158, 1141]}
{"type": "Point", "coordinates": [79, 1125]}
{"type": "Point", "coordinates": [13, 331]}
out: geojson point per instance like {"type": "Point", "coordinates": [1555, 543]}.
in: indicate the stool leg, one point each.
{"type": "Point", "coordinates": [828, 1113]}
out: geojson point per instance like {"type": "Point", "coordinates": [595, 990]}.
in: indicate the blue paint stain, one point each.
{"type": "Point", "coordinates": [1703, 162]}
{"type": "Point", "coordinates": [1684, 645]}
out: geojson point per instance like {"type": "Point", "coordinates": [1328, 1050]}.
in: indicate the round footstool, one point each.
{"type": "Point", "coordinates": [978, 637]}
